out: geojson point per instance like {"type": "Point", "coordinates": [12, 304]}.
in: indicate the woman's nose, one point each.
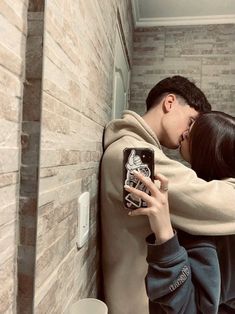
{"type": "Point", "coordinates": [186, 135]}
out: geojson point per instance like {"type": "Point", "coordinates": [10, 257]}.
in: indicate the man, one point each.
{"type": "Point", "coordinates": [197, 207]}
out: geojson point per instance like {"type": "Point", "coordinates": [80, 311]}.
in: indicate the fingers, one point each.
{"type": "Point", "coordinates": [139, 212]}
{"type": "Point", "coordinates": [150, 185]}
{"type": "Point", "coordinates": [158, 197]}
{"type": "Point", "coordinates": [163, 182]}
{"type": "Point", "coordinates": [147, 182]}
{"type": "Point", "coordinates": [144, 196]}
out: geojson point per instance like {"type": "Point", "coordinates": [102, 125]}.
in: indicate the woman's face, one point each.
{"type": "Point", "coordinates": [184, 145]}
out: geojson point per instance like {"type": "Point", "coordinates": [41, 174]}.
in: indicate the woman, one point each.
{"type": "Point", "coordinates": [191, 274]}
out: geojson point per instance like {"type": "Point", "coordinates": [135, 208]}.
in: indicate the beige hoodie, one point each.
{"type": "Point", "coordinates": [196, 206]}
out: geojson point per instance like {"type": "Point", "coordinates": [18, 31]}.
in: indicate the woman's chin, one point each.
{"type": "Point", "coordinates": [183, 153]}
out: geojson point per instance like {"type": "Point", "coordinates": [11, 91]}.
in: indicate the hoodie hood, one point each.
{"type": "Point", "coordinates": [132, 125]}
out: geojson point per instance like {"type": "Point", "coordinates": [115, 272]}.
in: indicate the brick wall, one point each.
{"type": "Point", "coordinates": [13, 20]}
{"type": "Point", "coordinates": [30, 152]}
{"type": "Point", "coordinates": [205, 54]}
{"type": "Point", "coordinates": [76, 104]}
{"type": "Point", "coordinates": [77, 101]}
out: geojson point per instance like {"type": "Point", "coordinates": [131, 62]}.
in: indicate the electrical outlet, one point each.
{"type": "Point", "coordinates": [83, 218]}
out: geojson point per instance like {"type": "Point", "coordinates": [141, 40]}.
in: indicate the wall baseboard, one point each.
{"type": "Point", "coordinates": [189, 20]}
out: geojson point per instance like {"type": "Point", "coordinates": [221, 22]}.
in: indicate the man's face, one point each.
{"type": "Point", "coordinates": [176, 122]}
{"type": "Point", "coordinates": [184, 146]}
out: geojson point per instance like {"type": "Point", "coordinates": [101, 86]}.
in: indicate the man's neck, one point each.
{"type": "Point", "coordinates": [153, 118]}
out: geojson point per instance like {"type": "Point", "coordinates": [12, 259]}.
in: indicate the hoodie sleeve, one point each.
{"type": "Point", "coordinates": [181, 281]}
{"type": "Point", "coordinates": [197, 206]}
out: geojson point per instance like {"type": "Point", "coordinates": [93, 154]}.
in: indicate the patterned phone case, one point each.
{"type": "Point", "coordinates": [142, 160]}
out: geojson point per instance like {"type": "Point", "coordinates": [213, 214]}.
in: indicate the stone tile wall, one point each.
{"type": "Point", "coordinates": [13, 28]}
{"type": "Point", "coordinates": [205, 54]}
{"type": "Point", "coordinates": [77, 102]}
{"type": "Point", "coordinates": [29, 171]}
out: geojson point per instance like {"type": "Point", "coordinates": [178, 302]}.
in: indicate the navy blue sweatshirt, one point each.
{"type": "Point", "coordinates": [191, 275]}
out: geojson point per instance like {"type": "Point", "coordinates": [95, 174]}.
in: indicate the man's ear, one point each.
{"type": "Point", "coordinates": [168, 102]}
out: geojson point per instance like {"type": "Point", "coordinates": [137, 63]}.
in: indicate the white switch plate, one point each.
{"type": "Point", "coordinates": [83, 218]}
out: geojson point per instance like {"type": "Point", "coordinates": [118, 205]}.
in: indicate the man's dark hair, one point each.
{"type": "Point", "coordinates": [212, 146]}
{"type": "Point", "coordinates": [180, 86]}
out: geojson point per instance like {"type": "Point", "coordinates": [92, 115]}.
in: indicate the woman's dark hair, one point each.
{"type": "Point", "coordinates": [212, 146]}
{"type": "Point", "coordinates": [180, 86]}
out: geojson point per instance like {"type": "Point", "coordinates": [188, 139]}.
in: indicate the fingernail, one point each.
{"type": "Point", "coordinates": [126, 186]}
{"type": "Point", "coordinates": [135, 172]}
{"type": "Point", "coordinates": [129, 213]}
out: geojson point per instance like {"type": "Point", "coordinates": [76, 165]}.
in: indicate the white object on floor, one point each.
{"type": "Point", "coordinates": [89, 306]}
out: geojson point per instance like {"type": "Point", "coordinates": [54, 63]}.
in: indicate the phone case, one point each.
{"type": "Point", "coordinates": [142, 160]}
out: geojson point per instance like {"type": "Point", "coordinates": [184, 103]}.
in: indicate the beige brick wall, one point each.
{"type": "Point", "coordinates": [13, 22]}
{"type": "Point", "coordinates": [77, 100]}
{"type": "Point", "coordinates": [205, 54]}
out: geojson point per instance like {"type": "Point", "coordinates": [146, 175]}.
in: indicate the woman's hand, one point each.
{"type": "Point", "coordinates": [157, 208]}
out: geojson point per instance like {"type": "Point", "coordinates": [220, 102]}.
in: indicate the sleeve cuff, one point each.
{"type": "Point", "coordinates": [163, 252]}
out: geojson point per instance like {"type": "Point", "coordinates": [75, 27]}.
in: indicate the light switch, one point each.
{"type": "Point", "coordinates": [83, 218]}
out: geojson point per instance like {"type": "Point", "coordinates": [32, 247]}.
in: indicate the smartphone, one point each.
{"type": "Point", "coordinates": [142, 160]}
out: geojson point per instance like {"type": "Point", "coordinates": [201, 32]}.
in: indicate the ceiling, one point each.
{"type": "Point", "coordinates": [148, 13]}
